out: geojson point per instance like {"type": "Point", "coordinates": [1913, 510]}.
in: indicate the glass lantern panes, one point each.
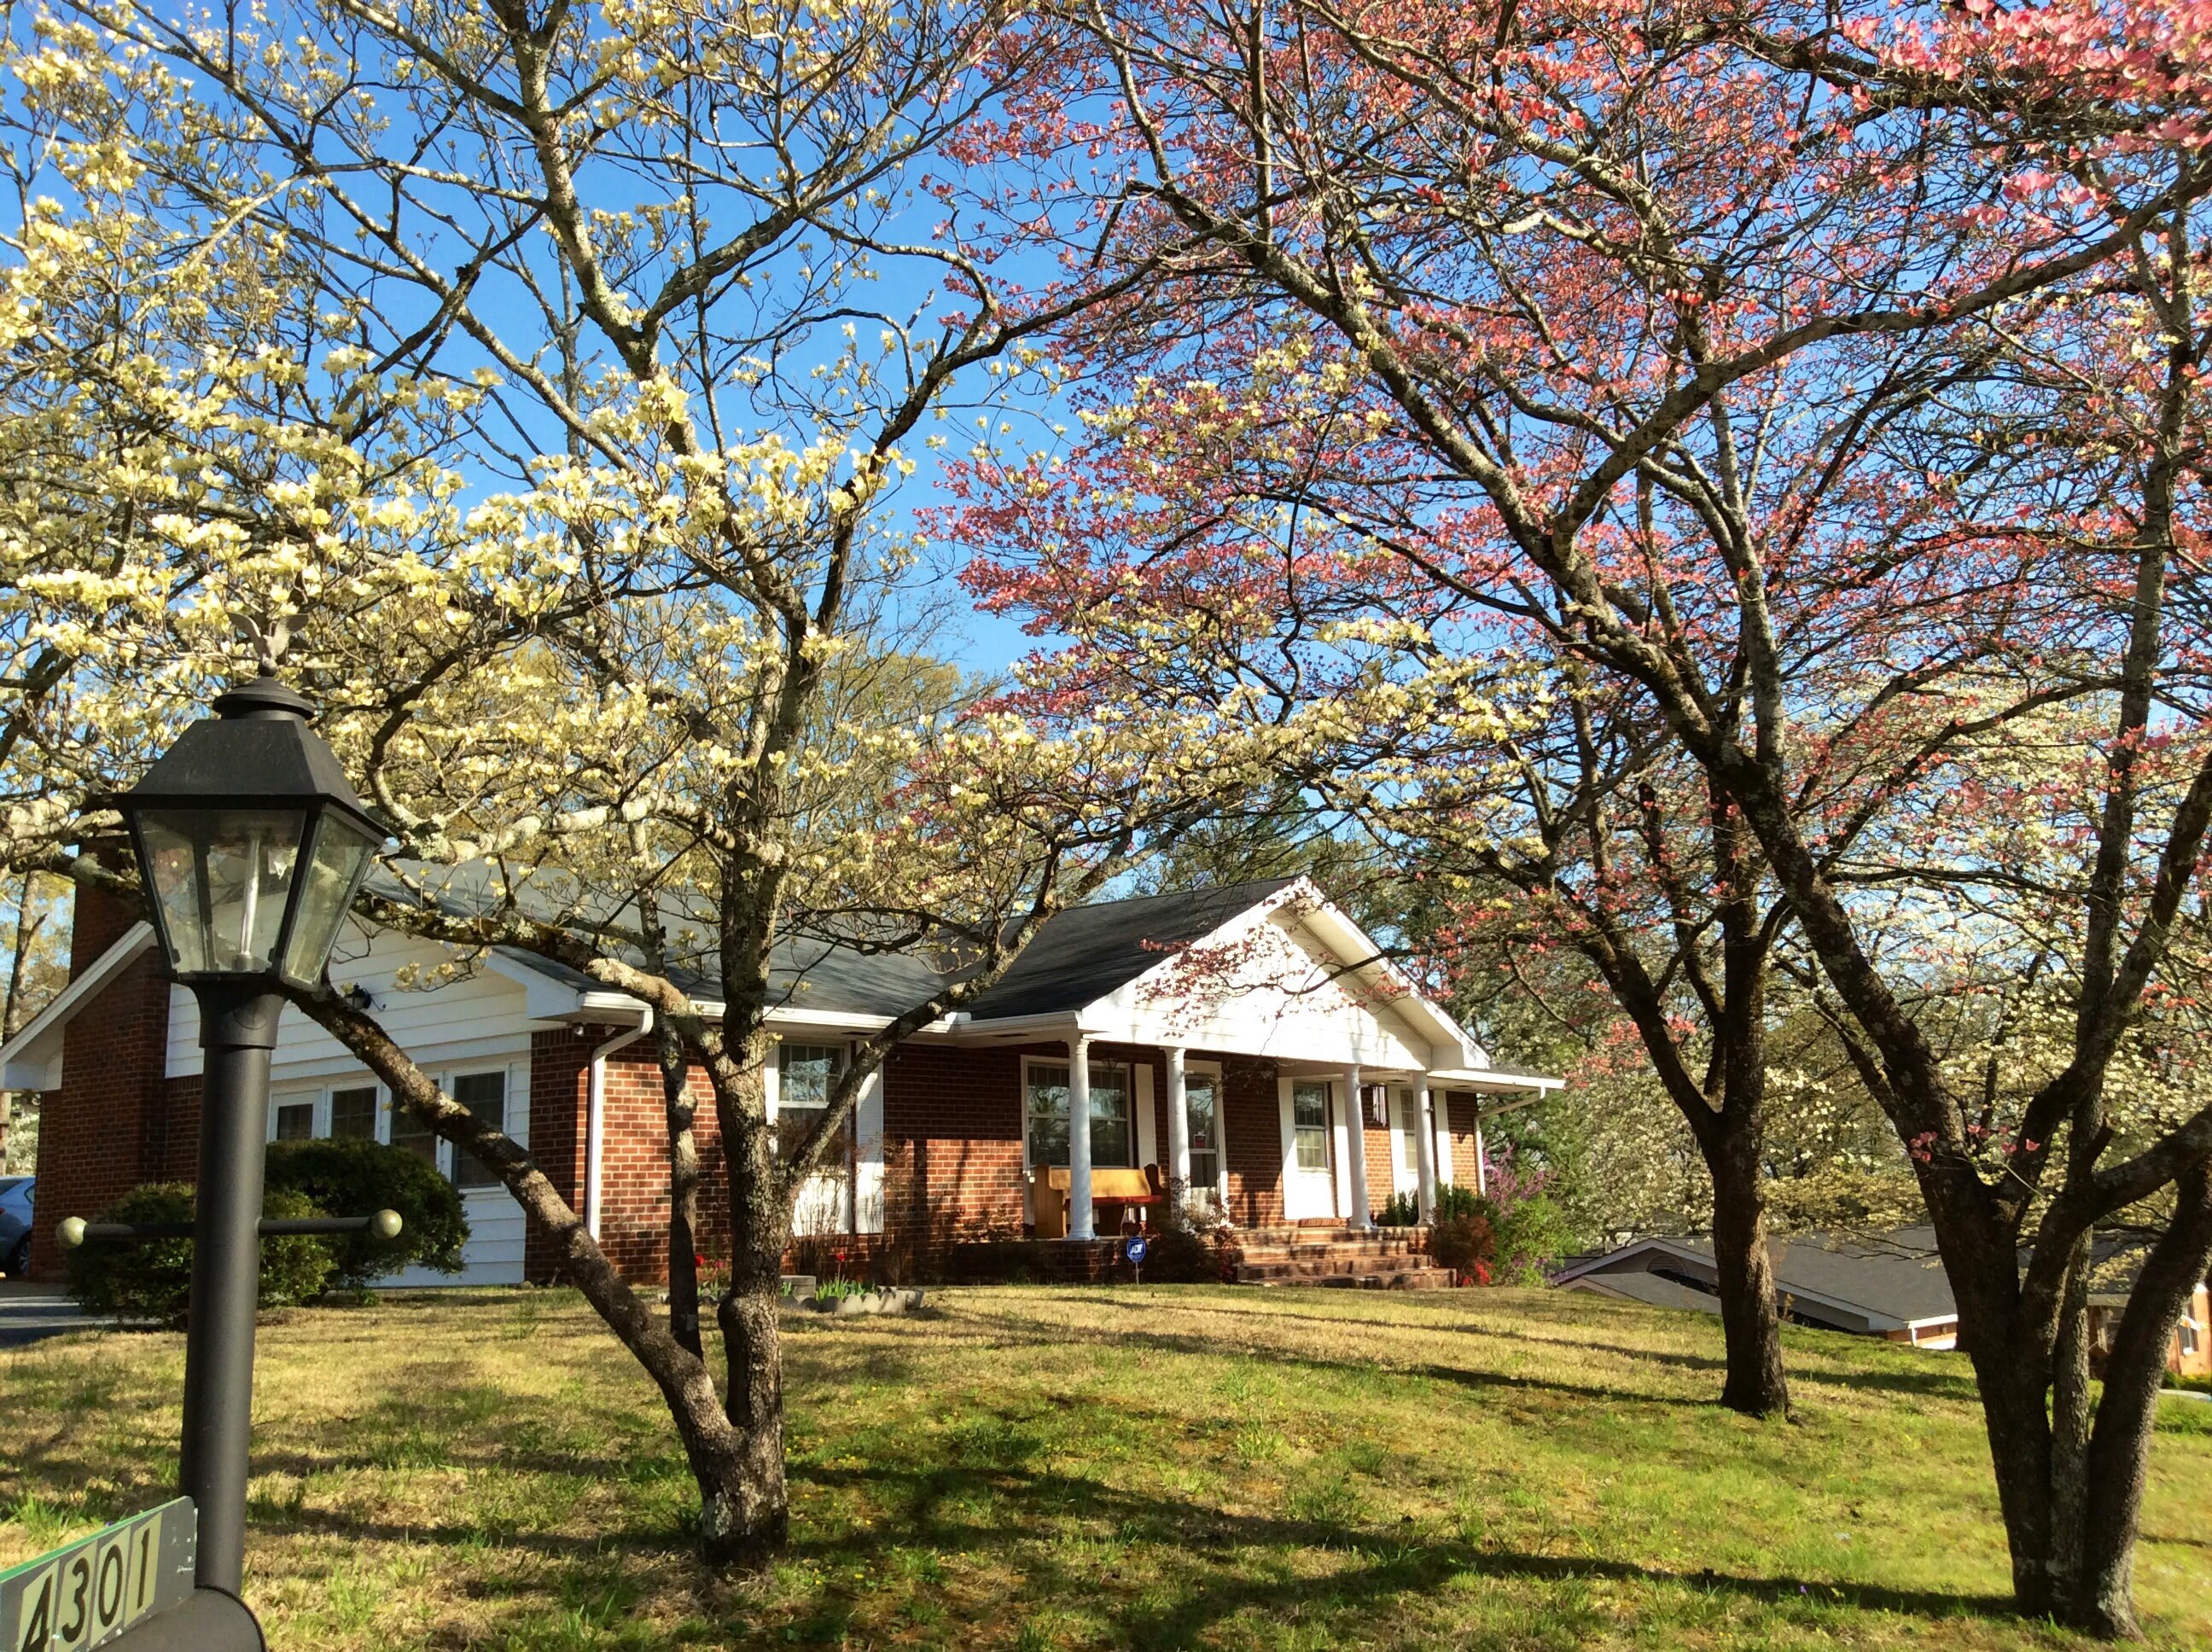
{"type": "Point", "coordinates": [223, 877]}
{"type": "Point", "coordinates": [335, 863]}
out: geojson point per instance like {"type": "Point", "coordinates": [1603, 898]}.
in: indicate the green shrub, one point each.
{"type": "Point", "coordinates": [1402, 1211]}
{"type": "Point", "coordinates": [1531, 1234]}
{"type": "Point", "coordinates": [153, 1278]}
{"type": "Point", "coordinates": [1465, 1244]}
{"type": "Point", "coordinates": [1185, 1256]}
{"type": "Point", "coordinates": [1455, 1199]}
{"type": "Point", "coordinates": [359, 1178]}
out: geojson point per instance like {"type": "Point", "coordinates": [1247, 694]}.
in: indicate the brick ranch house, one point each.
{"type": "Point", "coordinates": [1258, 1010]}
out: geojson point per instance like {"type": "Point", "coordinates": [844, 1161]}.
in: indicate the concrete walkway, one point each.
{"type": "Point", "coordinates": [29, 1312]}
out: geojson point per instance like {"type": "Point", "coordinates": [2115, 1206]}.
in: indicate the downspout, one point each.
{"type": "Point", "coordinates": [595, 1118]}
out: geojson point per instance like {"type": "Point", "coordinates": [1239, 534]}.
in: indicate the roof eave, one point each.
{"type": "Point", "coordinates": [32, 1059]}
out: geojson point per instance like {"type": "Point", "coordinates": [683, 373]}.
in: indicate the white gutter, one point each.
{"type": "Point", "coordinates": [595, 1118]}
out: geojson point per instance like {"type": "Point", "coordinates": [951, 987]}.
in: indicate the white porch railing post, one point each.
{"type": "Point", "coordinates": [1178, 1137]}
{"type": "Point", "coordinates": [1355, 1150]}
{"type": "Point", "coordinates": [1481, 1160]}
{"type": "Point", "coordinates": [1080, 1222]}
{"type": "Point", "coordinates": [1425, 1148]}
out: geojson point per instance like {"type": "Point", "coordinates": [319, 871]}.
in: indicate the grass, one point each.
{"type": "Point", "coordinates": [1143, 1467]}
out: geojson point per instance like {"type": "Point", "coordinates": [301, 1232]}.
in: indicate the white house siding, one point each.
{"type": "Point", "coordinates": [474, 1022]}
{"type": "Point", "coordinates": [1262, 986]}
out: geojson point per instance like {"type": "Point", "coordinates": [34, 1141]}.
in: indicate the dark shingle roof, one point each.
{"type": "Point", "coordinates": [1077, 956]}
{"type": "Point", "coordinates": [1081, 955]}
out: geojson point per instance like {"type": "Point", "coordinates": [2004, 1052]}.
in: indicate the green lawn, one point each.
{"type": "Point", "coordinates": [1128, 1467]}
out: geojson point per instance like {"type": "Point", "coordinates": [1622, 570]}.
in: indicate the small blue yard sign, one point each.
{"type": "Point", "coordinates": [1134, 1247]}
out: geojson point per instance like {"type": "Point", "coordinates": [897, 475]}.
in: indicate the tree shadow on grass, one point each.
{"type": "Point", "coordinates": [1937, 1382]}
{"type": "Point", "coordinates": [1249, 1562]}
{"type": "Point", "coordinates": [1011, 1332]}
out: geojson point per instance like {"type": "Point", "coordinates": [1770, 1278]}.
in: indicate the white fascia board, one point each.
{"type": "Point", "coordinates": [545, 997]}
{"type": "Point", "coordinates": [32, 1059]}
{"type": "Point", "coordinates": [1526, 1088]}
{"type": "Point", "coordinates": [786, 1015]}
{"type": "Point", "coordinates": [1358, 950]}
{"type": "Point", "coordinates": [1022, 1028]}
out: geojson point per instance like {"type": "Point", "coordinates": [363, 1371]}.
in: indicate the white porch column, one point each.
{"type": "Point", "coordinates": [1425, 1148]}
{"type": "Point", "coordinates": [1178, 1134]}
{"type": "Point", "coordinates": [1355, 1150]}
{"type": "Point", "coordinates": [1080, 1213]}
{"type": "Point", "coordinates": [1481, 1160]}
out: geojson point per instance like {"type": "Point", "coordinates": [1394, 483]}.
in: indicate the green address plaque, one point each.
{"type": "Point", "coordinates": [91, 1590]}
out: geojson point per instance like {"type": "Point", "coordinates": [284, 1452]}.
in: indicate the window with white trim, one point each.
{"type": "Point", "coordinates": [1202, 1093]}
{"type": "Point", "coordinates": [484, 1094]}
{"type": "Point", "coordinates": [353, 1112]}
{"type": "Point", "coordinates": [1112, 1141]}
{"type": "Point", "coordinates": [1310, 1123]}
{"type": "Point", "coordinates": [295, 1121]}
{"type": "Point", "coordinates": [804, 1074]}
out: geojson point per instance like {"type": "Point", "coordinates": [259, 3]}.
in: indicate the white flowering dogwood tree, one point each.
{"type": "Point", "coordinates": [531, 385]}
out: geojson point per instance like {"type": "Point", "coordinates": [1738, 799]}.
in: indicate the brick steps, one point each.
{"type": "Point", "coordinates": [1338, 1258]}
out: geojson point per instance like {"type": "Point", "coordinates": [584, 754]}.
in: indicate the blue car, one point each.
{"type": "Point", "coordinates": [16, 1224]}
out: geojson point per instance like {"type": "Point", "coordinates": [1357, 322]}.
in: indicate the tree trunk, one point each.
{"type": "Point", "coordinates": [748, 1513]}
{"type": "Point", "coordinates": [2070, 1415]}
{"type": "Point", "coordinates": [682, 1191]}
{"type": "Point", "coordinates": [1756, 1384]}
{"type": "Point", "coordinates": [2120, 1446]}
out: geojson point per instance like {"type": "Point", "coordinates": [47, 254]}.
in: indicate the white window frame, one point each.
{"type": "Point", "coordinates": [448, 1155]}
{"type": "Point", "coordinates": [1212, 1070]}
{"type": "Point", "coordinates": [1131, 1100]}
{"type": "Point", "coordinates": [319, 1096]}
{"type": "Point", "coordinates": [1328, 1108]}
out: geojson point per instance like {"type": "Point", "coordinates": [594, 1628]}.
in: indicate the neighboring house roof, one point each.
{"type": "Point", "coordinates": [1892, 1281]}
{"type": "Point", "coordinates": [1649, 1289]}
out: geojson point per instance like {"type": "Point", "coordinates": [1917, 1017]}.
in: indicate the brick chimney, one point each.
{"type": "Point", "coordinates": [109, 1126]}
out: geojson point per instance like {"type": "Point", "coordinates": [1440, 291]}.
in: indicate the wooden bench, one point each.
{"type": "Point", "coordinates": [1131, 1190]}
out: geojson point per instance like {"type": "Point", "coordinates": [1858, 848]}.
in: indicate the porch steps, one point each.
{"type": "Point", "coordinates": [1386, 1260]}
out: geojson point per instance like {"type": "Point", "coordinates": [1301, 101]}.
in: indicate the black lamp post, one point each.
{"type": "Point", "coordinates": [251, 846]}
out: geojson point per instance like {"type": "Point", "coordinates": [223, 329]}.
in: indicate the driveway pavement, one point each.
{"type": "Point", "coordinates": [28, 1312]}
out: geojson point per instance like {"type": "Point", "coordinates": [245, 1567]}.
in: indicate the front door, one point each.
{"type": "Point", "coordinates": [1308, 1178]}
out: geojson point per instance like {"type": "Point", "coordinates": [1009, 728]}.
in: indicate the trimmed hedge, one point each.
{"type": "Point", "coordinates": [359, 1178]}
{"type": "Point", "coordinates": [153, 1278]}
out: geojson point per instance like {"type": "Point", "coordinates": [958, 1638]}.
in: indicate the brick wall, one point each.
{"type": "Point", "coordinates": [1252, 1122]}
{"type": "Point", "coordinates": [560, 1060]}
{"type": "Point", "coordinates": [1459, 1108]}
{"type": "Point", "coordinates": [109, 1128]}
{"type": "Point", "coordinates": [1381, 1169]}
{"type": "Point", "coordinates": [634, 1199]}
{"type": "Point", "coordinates": [952, 1155]}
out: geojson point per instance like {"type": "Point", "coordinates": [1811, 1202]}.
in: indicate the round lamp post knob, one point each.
{"type": "Point", "coordinates": [385, 1225]}
{"type": "Point", "coordinates": [71, 1232]}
